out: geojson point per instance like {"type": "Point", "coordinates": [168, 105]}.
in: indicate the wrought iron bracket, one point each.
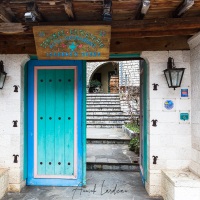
{"type": "Point", "coordinates": [154, 122]}
{"type": "Point", "coordinates": [16, 88]}
{"type": "Point", "coordinates": [15, 123]}
{"type": "Point", "coordinates": [155, 159]}
{"type": "Point", "coordinates": [155, 86]}
{"type": "Point", "coordinates": [15, 158]}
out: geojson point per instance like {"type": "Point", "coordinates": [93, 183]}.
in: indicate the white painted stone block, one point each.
{"type": "Point", "coordinates": [155, 56]}
{"type": "Point", "coordinates": [183, 104]}
{"type": "Point", "coordinates": [155, 179]}
{"type": "Point", "coordinates": [181, 184]}
{"type": "Point", "coordinates": [177, 164]}
{"type": "Point", "coordinates": [163, 91]}
{"type": "Point", "coordinates": [170, 129]}
{"type": "Point", "coordinates": [165, 117]}
{"type": "Point", "coordinates": [3, 181]}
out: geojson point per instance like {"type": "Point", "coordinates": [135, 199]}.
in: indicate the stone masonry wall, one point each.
{"type": "Point", "coordinates": [194, 43]}
{"type": "Point", "coordinates": [129, 75]}
{"type": "Point", "coordinates": [170, 140]}
{"type": "Point", "coordinates": [12, 138]}
{"type": "Point", "coordinates": [128, 72]}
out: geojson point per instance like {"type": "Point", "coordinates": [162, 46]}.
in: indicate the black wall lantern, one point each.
{"type": "Point", "coordinates": [2, 75]}
{"type": "Point", "coordinates": [173, 75]}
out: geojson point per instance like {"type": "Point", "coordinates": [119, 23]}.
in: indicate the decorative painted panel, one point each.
{"type": "Point", "coordinates": [73, 42]}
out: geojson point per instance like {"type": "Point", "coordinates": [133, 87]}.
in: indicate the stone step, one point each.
{"type": "Point", "coordinates": [102, 95]}
{"type": "Point", "coordinates": [101, 166]}
{"type": "Point", "coordinates": [103, 126]}
{"type": "Point", "coordinates": [95, 109]}
{"type": "Point", "coordinates": [108, 117]}
{"type": "Point", "coordinates": [103, 98]}
{"type": "Point", "coordinates": [107, 141]}
{"type": "Point", "coordinates": [105, 112]}
{"type": "Point", "coordinates": [111, 157]}
{"type": "Point", "coordinates": [104, 122]}
{"type": "Point", "coordinates": [103, 106]}
{"type": "Point", "coordinates": [103, 102]}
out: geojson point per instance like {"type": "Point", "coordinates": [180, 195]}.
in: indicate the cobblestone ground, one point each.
{"type": "Point", "coordinates": [100, 185]}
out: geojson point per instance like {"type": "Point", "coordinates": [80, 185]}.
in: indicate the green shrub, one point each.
{"type": "Point", "coordinates": [95, 83]}
{"type": "Point", "coordinates": [134, 145]}
{"type": "Point", "coordinates": [133, 127]}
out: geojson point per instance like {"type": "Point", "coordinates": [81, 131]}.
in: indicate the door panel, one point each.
{"type": "Point", "coordinates": [54, 151]}
{"type": "Point", "coordinates": [55, 117]}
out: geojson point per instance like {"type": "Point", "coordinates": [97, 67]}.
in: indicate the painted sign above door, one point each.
{"type": "Point", "coordinates": [72, 42]}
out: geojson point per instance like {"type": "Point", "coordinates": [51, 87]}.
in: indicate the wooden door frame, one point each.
{"type": "Point", "coordinates": [145, 108]}
{"type": "Point", "coordinates": [144, 103]}
{"type": "Point", "coordinates": [112, 56]}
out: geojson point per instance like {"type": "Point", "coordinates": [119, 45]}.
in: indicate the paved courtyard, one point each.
{"type": "Point", "coordinates": [100, 185]}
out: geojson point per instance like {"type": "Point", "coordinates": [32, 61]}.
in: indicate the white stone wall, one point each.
{"type": "Point", "coordinates": [3, 181]}
{"type": "Point", "coordinates": [12, 107]}
{"type": "Point", "coordinates": [170, 140]}
{"type": "Point", "coordinates": [194, 43]}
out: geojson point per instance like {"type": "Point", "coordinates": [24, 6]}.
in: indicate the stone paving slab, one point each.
{"type": "Point", "coordinates": [110, 153]}
{"type": "Point", "coordinates": [100, 185]}
{"type": "Point", "coordinates": [106, 133]}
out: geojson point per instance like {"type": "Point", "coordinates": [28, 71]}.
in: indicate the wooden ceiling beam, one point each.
{"type": "Point", "coordinates": [161, 24]}
{"type": "Point", "coordinates": [14, 29]}
{"type": "Point", "coordinates": [68, 6]}
{"type": "Point", "coordinates": [148, 44]}
{"type": "Point", "coordinates": [143, 9]}
{"type": "Point", "coordinates": [174, 25]}
{"type": "Point", "coordinates": [139, 34]}
{"type": "Point", "coordinates": [107, 15]}
{"type": "Point", "coordinates": [26, 45]}
{"type": "Point", "coordinates": [4, 15]}
{"type": "Point", "coordinates": [183, 8]}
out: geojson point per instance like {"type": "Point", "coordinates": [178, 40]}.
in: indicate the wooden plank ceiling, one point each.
{"type": "Point", "coordinates": [137, 25]}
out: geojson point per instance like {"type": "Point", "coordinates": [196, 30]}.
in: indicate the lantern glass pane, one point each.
{"type": "Point", "coordinates": [176, 77]}
{"type": "Point", "coordinates": [168, 78]}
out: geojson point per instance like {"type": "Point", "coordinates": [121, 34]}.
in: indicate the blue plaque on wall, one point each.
{"type": "Point", "coordinates": [169, 104]}
{"type": "Point", "coordinates": [184, 92]}
{"type": "Point", "coordinates": [184, 116]}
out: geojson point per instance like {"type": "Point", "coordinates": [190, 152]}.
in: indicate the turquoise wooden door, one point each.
{"type": "Point", "coordinates": [55, 122]}
{"type": "Point", "coordinates": [55, 142]}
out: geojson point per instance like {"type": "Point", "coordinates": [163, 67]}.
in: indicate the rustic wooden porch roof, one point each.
{"type": "Point", "coordinates": [137, 25]}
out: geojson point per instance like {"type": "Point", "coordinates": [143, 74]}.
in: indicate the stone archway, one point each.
{"type": "Point", "coordinates": [102, 69]}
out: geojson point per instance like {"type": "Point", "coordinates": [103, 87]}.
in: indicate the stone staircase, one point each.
{"type": "Point", "coordinates": [104, 111]}
{"type": "Point", "coordinates": [107, 150]}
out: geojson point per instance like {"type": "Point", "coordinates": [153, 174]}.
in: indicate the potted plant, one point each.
{"type": "Point", "coordinates": [95, 85]}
